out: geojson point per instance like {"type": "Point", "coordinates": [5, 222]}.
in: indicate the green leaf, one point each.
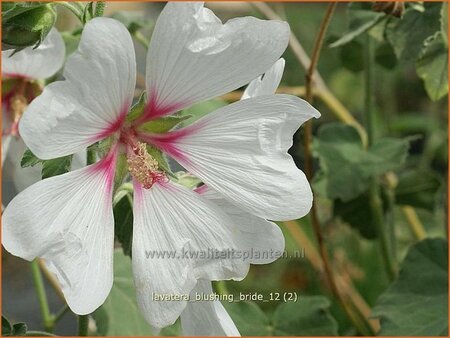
{"type": "Point", "coordinates": [416, 304]}
{"type": "Point", "coordinates": [352, 56]}
{"type": "Point", "coordinates": [172, 330]}
{"type": "Point", "coordinates": [28, 28]}
{"type": "Point", "coordinates": [6, 325]}
{"type": "Point", "coordinates": [163, 124]}
{"type": "Point", "coordinates": [309, 316]}
{"type": "Point", "coordinates": [361, 20]}
{"type": "Point", "coordinates": [12, 9]}
{"type": "Point", "coordinates": [16, 330]}
{"type": "Point", "coordinates": [356, 213]}
{"type": "Point", "coordinates": [120, 315]}
{"type": "Point", "coordinates": [417, 188]}
{"type": "Point", "coordinates": [19, 329]}
{"type": "Point", "coordinates": [56, 166]}
{"type": "Point", "coordinates": [407, 35]}
{"type": "Point", "coordinates": [123, 222]}
{"type": "Point", "coordinates": [432, 68]}
{"type": "Point", "coordinates": [53, 167]}
{"type": "Point", "coordinates": [385, 56]}
{"type": "Point", "coordinates": [29, 159]}
{"type": "Point", "coordinates": [199, 110]}
{"type": "Point", "coordinates": [161, 159]}
{"type": "Point", "coordinates": [347, 166]}
{"type": "Point", "coordinates": [249, 318]}
{"type": "Point", "coordinates": [138, 108]}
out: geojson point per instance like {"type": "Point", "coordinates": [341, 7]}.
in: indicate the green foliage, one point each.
{"type": "Point", "coordinates": [361, 19]}
{"type": "Point", "coordinates": [201, 109]}
{"type": "Point", "coordinates": [347, 166]}
{"type": "Point", "coordinates": [132, 20]}
{"type": "Point", "coordinates": [432, 67]}
{"type": "Point", "coordinates": [27, 25]}
{"type": "Point", "coordinates": [53, 167]}
{"type": "Point", "coordinates": [123, 220]}
{"type": "Point", "coordinates": [15, 330]}
{"type": "Point", "coordinates": [119, 315]}
{"type": "Point", "coordinates": [309, 316]}
{"type": "Point", "coordinates": [137, 109]}
{"type": "Point", "coordinates": [420, 35]}
{"type": "Point", "coordinates": [417, 188]}
{"type": "Point", "coordinates": [352, 56]}
{"type": "Point", "coordinates": [408, 34]}
{"type": "Point", "coordinates": [416, 304]}
{"type": "Point", "coordinates": [163, 124]}
{"type": "Point", "coordinates": [356, 212]}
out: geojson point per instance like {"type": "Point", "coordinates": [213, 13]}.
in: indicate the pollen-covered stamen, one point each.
{"type": "Point", "coordinates": [142, 166]}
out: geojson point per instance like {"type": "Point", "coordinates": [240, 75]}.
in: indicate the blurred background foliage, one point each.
{"type": "Point", "coordinates": [408, 161]}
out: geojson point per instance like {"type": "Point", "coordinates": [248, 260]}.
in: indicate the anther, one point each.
{"type": "Point", "coordinates": [142, 166]}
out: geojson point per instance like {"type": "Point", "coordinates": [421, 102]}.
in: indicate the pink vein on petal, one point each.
{"type": "Point", "coordinates": [201, 189]}
{"type": "Point", "coordinates": [168, 142]}
{"type": "Point", "coordinates": [155, 109]}
{"type": "Point", "coordinates": [115, 125]}
{"type": "Point", "coordinates": [107, 167]}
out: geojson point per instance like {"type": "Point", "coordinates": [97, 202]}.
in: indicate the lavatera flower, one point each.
{"type": "Point", "coordinates": [21, 76]}
{"type": "Point", "coordinates": [209, 318]}
{"type": "Point", "coordinates": [239, 150]}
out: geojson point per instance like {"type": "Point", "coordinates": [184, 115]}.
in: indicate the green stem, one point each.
{"type": "Point", "coordinates": [141, 39]}
{"type": "Point", "coordinates": [368, 99]}
{"type": "Point", "coordinates": [47, 317]}
{"type": "Point", "coordinates": [72, 7]}
{"type": "Point", "coordinates": [39, 334]}
{"type": "Point", "coordinates": [374, 188]}
{"type": "Point", "coordinates": [83, 323]}
{"type": "Point", "coordinates": [61, 313]}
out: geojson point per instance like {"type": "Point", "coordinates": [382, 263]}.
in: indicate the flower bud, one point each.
{"type": "Point", "coordinates": [28, 28]}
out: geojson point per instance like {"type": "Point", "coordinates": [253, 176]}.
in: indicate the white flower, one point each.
{"type": "Point", "coordinates": [206, 318]}
{"type": "Point", "coordinates": [240, 151]}
{"type": "Point", "coordinates": [22, 70]}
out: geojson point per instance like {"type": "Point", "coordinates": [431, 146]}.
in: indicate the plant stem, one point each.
{"type": "Point", "coordinates": [414, 223]}
{"type": "Point", "coordinates": [356, 303]}
{"type": "Point", "coordinates": [51, 279]}
{"type": "Point", "coordinates": [61, 313]}
{"type": "Point", "coordinates": [83, 323]}
{"type": "Point", "coordinates": [355, 318]}
{"type": "Point", "coordinates": [141, 39]}
{"type": "Point", "coordinates": [39, 334]}
{"type": "Point", "coordinates": [376, 206]}
{"type": "Point", "coordinates": [47, 317]}
{"type": "Point", "coordinates": [72, 7]}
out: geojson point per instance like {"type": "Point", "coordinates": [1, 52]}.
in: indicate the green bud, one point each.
{"type": "Point", "coordinates": [28, 28]}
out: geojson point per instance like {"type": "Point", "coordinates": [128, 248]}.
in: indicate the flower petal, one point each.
{"type": "Point", "coordinates": [263, 241]}
{"type": "Point", "coordinates": [39, 63]}
{"type": "Point", "coordinates": [241, 151]}
{"type": "Point", "coordinates": [68, 221]}
{"type": "Point", "coordinates": [169, 220]}
{"type": "Point", "coordinates": [206, 318]}
{"type": "Point", "coordinates": [267, 84]}
{"type": "Point", "coordinates": [194, 57]}
{"type": "Point", "coordinates": [93, 100]}
{"type": "Point", "coordinates": [21, 177]}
